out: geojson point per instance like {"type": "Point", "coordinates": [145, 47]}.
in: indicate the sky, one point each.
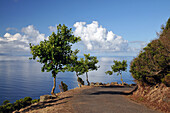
{"type": "Point", "coordinates": [106, 27]}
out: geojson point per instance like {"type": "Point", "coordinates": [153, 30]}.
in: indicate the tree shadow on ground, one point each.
{"type": "Point", "coordinates": [112, 86]}
{"type": "Point", "coordinates": [114, 92]}
{"type": "Point", "coordinates": [48, 103]}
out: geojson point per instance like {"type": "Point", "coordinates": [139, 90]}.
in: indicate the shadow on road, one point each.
{"type": "Point", "coordinates": [110, 92]}
{"type": "Point", "coordinates": [114, 92]}
{"type": "Point", "coordinates": [112, 86]}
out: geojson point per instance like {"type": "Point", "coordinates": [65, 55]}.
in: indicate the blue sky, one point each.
{"type": "Point", "coordinates": [121, 27]}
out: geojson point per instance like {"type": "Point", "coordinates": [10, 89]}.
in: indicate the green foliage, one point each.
{"type": "Point", "coordinates": [9, 107]}
{"type": "Point", "coordinates": [35, 101]}
{"type": "Point", "coordinates": [75, 65]}
{"type": "Point", "coordinates": [88, 64]}
{"type": "Point", "coordinates": [56, 52]}
{"type": "Point", "coordinates": [166, 80]}
{"type": "Point", "coordinates": [5, 102]}
{"type": "Point", "coordinates": [64, 86]}
{"type": "Point", "coordinates": [153, 63]}
{"type": "Point", "coordinates": [109, 72]}
{"type": "Point", "coordinates": [84, 65]}
{"type": "Point", "coordinates": [118, 67]}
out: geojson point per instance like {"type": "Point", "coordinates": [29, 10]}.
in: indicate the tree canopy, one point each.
{"type": "Point", "coordinates": [118, 67]}
{"type": "Point", "coordinates": [55, 53]}
{"type": "Point", "coordinates": [152, 66]}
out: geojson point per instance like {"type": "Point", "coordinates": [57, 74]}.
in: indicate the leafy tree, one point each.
{"type": "Point", "coordinates": [152, 65]}
{"type": "Point", "coordinates": [76, 65]}
{"type": "Point", "coordinates": [118, 67]}
{"type": "Point", "coordinates": [82, 66]}
{"type": "Point", "coordinates": [89, 64]}
{"type": "Point", "coordinates": [55, 53]}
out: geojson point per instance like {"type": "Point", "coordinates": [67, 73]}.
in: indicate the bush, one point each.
{"type": "Point", "coordinates": [152, 65]}
{"type": "Point", "coordinates": [80, 81]}
{"type": "Point", "coordinates": [9, 108]}
{"type": "Point", "coordinates": [166, 80]}
{"type": "Point", "coordinates": [35, 101]}
{"type": "Point", "coordinates": [64, 86]}
{"type": "Point", "coordinates": [5, 102]}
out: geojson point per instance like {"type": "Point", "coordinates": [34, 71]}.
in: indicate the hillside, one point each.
{"type": "Point", "coordinates": [151, 71]}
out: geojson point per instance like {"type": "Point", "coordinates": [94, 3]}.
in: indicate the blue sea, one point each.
{"type": "Point", "coordinates": [21, 77]}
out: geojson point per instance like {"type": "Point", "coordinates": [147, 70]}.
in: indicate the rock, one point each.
{"type": "Point", "coordinates": [108, 84]}
{"type": "Point", "coordinates": [97, 84]}
{"type": "Point", "coordinates": [92, 84]}
{"type": "Point", "coordinates": [45, 97]}
{"type": "Point", "coordinates": [113, 83]}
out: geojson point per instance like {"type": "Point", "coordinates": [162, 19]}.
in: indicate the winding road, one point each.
{"type": "Point", "coordinates": [107, 100]}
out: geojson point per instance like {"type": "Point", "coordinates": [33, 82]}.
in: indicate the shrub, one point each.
{"type": "Point", "coordinates": [152, 66]}
{"type": "Point", "coordinates": [64, 86]}
{"type": "Point", "coordinates": [8, 108]}
{"type": "Point", "coordinates": [35, 101]}
{"type": "Point", "coordinates": [80, 81]}
{"type": "Point", "coordinates": [17, 105]}
{"type": "Point", "coordinates": [5, 102]}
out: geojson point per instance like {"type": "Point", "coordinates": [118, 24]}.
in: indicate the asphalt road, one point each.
{"type": "Point", "coordinates": [107, 100]}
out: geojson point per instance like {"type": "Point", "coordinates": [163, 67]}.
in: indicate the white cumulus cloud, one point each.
{"type": "Point", "coordinates": [19, 42]}
{"type": "Point", "coordinates": [96, 37]}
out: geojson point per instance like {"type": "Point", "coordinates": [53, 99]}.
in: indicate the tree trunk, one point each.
{"type": "Point", "coordinates": [122, 80]}
{"type": "Point", "coordinates": [52, 91]}
{"type": "Point", "coordinates": [87, 79]}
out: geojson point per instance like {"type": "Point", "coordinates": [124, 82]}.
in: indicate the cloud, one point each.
{"type": "Point", "coordinates": [95, 37]}
{"type": "Point", "coordinates": [137, 45]}
{"type": "Point", "coordinates": [11, 28]}
{"type": "Point", "coordinates": [53, 28]}
{"type": "Point", "coordinates": [19, 42]}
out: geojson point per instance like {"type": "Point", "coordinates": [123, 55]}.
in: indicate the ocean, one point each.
{"type": "Point", "coordinates": [21, 77]}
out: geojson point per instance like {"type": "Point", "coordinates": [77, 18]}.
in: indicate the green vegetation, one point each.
{"type": "Point", "coordinates": [152, 66]}
{"type": "Point", "coordinates": [55, 53]}
{"type": "Point", "coordinates": [84, 65]}
{"type": "Point", "coordinates": [9, 107]}
{"type": "Point", "coordinates": [80, 81]}
{"type": "Point", "coordinates": [89, 64]}
{"type": "Point", "coordinates": [118, 67]}
{"type": "Point", "coordinates": [77, 66]}
{"type": "Point", "coordinates": [64, 86]}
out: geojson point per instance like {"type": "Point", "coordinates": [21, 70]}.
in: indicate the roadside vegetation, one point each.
{"type": "Point", "coordinates": [8, 107]}
{"type": "Point", "coordinates": [151, 71]}
{"type": "Point", "coordinates": [152, 66]}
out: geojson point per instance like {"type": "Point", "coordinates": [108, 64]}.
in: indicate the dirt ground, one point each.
{"type": "Point", "coordinates": [90, 99]}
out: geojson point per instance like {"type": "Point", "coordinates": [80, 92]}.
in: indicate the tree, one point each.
{"type": "Point", "coordinates": [89, 64]}
{"type": "Point", "coordinates": [55, 53]}
{"type": "Point", "coordinates": [118, 67]}
{"type": "Point", "coordinates": [84, 65]}
{"type": "Point", "coordinates": [152, 65]}
{"type": "Point", "coordinates": [77, 66]}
